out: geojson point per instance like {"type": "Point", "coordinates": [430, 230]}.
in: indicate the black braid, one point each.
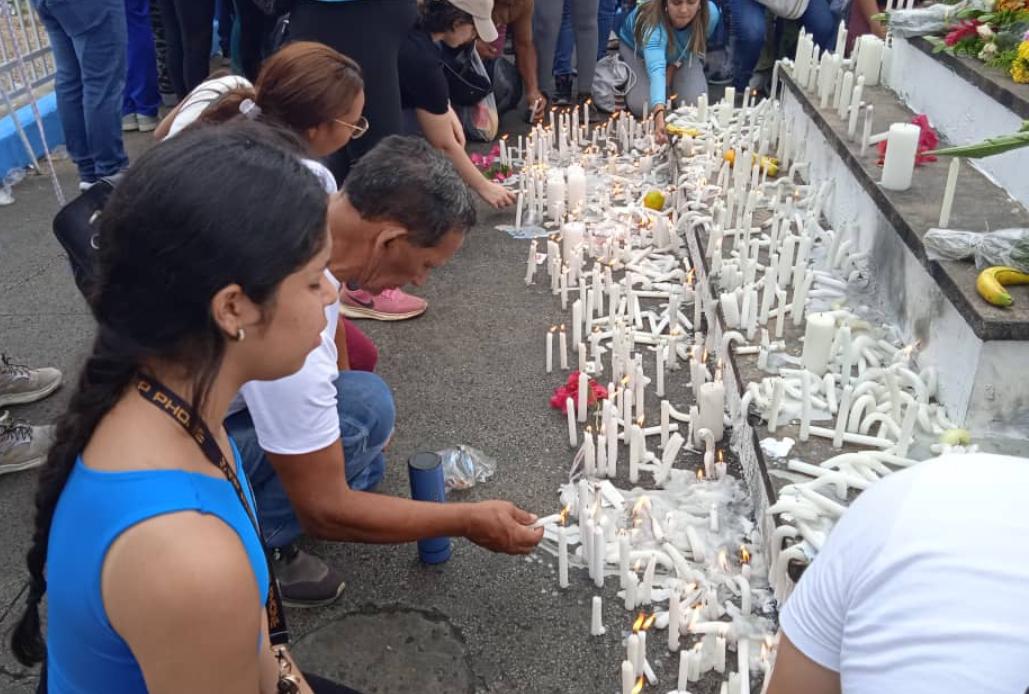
{"type": "Point", "coordinates": [106, 375]}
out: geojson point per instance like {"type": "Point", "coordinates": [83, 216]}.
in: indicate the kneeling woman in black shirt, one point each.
{"type": "Point", "coordinates": [423, 85]}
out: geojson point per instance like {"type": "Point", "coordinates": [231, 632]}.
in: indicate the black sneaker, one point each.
{"type": "Point", "coordinates": [563, 90]}
{"type": "Point", "coordinates": [304, 579]}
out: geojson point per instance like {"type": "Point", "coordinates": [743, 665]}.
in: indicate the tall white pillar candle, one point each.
{"type": "Point", "coordinates": [571, 236]}
{"type": "Point", "coordinates": [743, 664]}
{"type": "Point", "coordinates": [635, 436]}
{"type": "Point", "coordinates": [819, 332]}
{"type": "Point", "coordinates": [869, 59]}
{"type": "Point", "coordinates": [901, 149]}
{"type": "Point", "coordinates": [712, 407]}
{"type": "Point", "coordinates": [674, 618]}
{"type": "Point", "coordinates": [597, 617]}
{"type": "Point", "coordinates": [562, 348]}
{"type": "Point", "coordinates": [550, 350]}
{"type": "Point", "coordinates": [842, 100]}
{"type": "Point", "coordinates": [855, 107]}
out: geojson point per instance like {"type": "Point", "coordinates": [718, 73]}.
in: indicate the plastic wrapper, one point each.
{"type": "Point", "coordinates": [926, 20]}
{"type": "Point", "coordinates": [1008, 247]}
{"type": "Point", "coordinates": [464, 467]}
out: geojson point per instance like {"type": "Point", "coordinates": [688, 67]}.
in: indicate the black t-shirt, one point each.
{"type": "Point", "coordinates": [422, 82]}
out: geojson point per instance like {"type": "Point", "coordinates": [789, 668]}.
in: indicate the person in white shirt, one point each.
{"type": "Point", "coordinates": [920, 588]}
{"type": "Point", "coordinates": [305, 453]}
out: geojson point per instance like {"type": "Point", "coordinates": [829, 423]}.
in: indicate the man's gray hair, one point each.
{"type": "Point", "coordinates": [407, 181]}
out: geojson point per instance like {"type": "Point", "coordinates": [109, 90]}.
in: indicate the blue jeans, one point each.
{"type": "Point", "coordinates": [748, 28]}
{"type": "Point", "coordinates": [141, 95]}
{"type": "Point", "coordinates": [606, 12]}
{"type": "Point", "coordinates": [565, 42]}
{"type": "Point", "coordinates": [89, 42]}
{"type": "Point", "coordinates": [366, 418]}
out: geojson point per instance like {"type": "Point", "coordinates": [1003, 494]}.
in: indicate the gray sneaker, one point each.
{"type": "Point", "coordinates": [304, 579]}
{"type": "Point", "coordinates": [20, 384]}
{"type": "Point", "coordinates": [22, 446]}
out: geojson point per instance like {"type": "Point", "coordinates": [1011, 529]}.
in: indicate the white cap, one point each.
{"type": "Point", "coordinates": [482, 13]}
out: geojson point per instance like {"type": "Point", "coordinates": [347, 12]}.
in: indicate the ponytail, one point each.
{"type": "Point", "coordinates": [106, 375]}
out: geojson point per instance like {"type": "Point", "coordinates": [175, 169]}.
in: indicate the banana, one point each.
{"type": "Point", "coordinates": [992, 280]}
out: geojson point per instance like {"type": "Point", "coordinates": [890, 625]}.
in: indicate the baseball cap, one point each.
{"type": "Point", "coordinates": [481, 12]}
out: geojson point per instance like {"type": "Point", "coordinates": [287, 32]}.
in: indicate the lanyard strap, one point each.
{"type": "Point", "coordinates": [175, 407]}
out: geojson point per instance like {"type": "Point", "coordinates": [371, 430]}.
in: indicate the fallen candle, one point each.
{"type": "Point", "coordinates": [948, 192]}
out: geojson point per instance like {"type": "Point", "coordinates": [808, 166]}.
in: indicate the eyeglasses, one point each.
{"type": "Point", "coordinates": [359, 128]}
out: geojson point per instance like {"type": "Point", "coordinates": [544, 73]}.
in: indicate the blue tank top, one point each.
{"type": "Point", "coordinates": [84, 653]}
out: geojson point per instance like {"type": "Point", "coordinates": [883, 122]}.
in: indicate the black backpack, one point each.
{"type": "Point", "coordinates": [77, 228]}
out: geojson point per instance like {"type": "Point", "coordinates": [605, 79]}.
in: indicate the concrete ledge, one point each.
{"type": "Point", "coordinates": [979, 205]}
{"type": "Point", "coordinates": [12, 149]}
{"type": "Point", "coordinates": [966, 102]}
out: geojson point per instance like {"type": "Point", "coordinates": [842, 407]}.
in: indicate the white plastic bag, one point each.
{"type": "Point", "coordinates": [1008, 247]}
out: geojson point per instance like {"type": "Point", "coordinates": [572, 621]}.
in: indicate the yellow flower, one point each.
{"type": "Point", "coordinates": [1008, 5]}
{"type": "Point", "coordinates": [1020, 66]}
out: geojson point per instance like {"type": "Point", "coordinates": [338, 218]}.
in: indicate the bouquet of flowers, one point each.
{"type": "Point", "coordinates": [996, 32]}
{"type": "Point", "coordinates": [490, 165]}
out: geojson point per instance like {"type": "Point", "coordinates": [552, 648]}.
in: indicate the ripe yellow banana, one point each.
{"type": "Point", "coordinates": [992, 280]}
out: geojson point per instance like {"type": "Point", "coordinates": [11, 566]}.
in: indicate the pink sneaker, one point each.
{"type": "Point", "coordinates": [391, 304]}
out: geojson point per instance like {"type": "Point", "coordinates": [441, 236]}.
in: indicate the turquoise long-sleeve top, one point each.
{"type": "Point", "coordinates": [655, 48]}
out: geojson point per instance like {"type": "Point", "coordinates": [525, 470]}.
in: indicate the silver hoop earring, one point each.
{"type": "Point", "coordinates": [241, 335]}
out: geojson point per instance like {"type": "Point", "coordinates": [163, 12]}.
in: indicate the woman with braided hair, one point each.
{"type": "Point", "coordinates": [145, 538]}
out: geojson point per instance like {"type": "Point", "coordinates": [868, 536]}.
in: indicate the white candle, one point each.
{"type": "Point", "coordinates": [631, 587]}
{"type": "Point", "coordinates": [869, 59]}
{"type": "Point", "coordinates": [948, 192]}
{"type": "Point", "coordinates": [819, 332]}
{"type": "Point", "coordinates": [576, 188]}
{"type": "Point", "coordinates": [583, 391]}
{"type": "Point", "coordinates": [855, 107]}
{"type": "Point", "coordinates": [841, 417]}
{"type": "Point", "coordinates": [598, 555]}
{"type": "Point", "coordinates": [589, 454]}
{"type": "Point", "coordinates": [684, 671]}
{"type": "Point", "coordinates": [712, 407]}
{"type": "Point", "coordinates": [562, 556]}
{"type": "Point", "coordinates": [555, 195]}
{"type": "Point", "coordinates": [518, 212]}
{"type": "Point", "coordinates": [866, 130]}
{"type": "Point", "coordinates": [800, 298]}
{"type": "Point", "coordinates": [780, 300]}
{"type": "Point", "coordinates": [628, 674]}
{"type": "Point", "coordinates": [743, 663]}
{"type": "Point", "coordinates": [563, 347]}
{"type": "Point", "coordinates": [901, 149]}
{"type": "Point", "coordinates": [632, 647]}
{"type": "Point", "coordinates": [842, 100]}
{"type": "Point", "coordinates": [730, 309]}
{"type": "Point", "coordinates": [550, 350]}
{"type": "Point", "coordinates": [571, 236]}
{"type": "Point", "coordinates": [907, 428]}
{"type": "Point", "coordinates": [841, 39]}
{"type": "Point", "coordinates": [674, 618]}
{"type": "Point", "coordinates": [660, 370]}
{"type": "Point", "coordinates": [612, 444]}
{"type": "Point", "coordinates": [597, 618]}
{"type": "Point", "coordinates": [572, 432]}
{"type": "Point", "coordinates": [778, 393]}
{"type": "Point", "coordinates": [563, 284]}
{"type": "Point", "coordinates": [624, 551]}
{"type": "Point", "coordinates": [644, 596]}
{"type": "Point", "coordinates": [805, 406]}
{"type": "Point", "coordinates": [530, 265]}
{"type": "Point", "coordinates": [635, 438]}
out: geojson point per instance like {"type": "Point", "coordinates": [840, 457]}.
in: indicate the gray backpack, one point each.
{"type": "Point", "coordinates": [611, 82]}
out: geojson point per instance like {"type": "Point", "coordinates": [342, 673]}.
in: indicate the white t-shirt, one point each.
{"type": "Point", "coordinates": [298, 414]}
{"type": "Point", "coordinates": [205, 94]}
{"type": "Point", "coordinates": [921, 587]}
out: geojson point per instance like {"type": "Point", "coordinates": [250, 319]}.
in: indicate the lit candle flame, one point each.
{"type": "Point", "coordinates": [721, 455]}
{"type": "Point", "coordinates": [553, 328]}
{"type": "Point", "coordinates": [744, 555]}
{"type": "Point", "coordinates": [638, 624]}
{"type": "Point", "coordinates": [700, 474]}
{"type": "Point", "coordinates": [562, 327]}
{"type": "Point", "coordinates": [564, 515]}
{"type": "Point", "coordinates": [649, 622]}
{"type": "Point", "coordinates": [638, 687]}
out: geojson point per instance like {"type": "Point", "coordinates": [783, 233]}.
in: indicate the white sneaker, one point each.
{"type": "Point", "coordinates": [129, 123]}
{"type": "Point", "coordinates": [147, 124]}
{"type": "Point", "coordinates": [23, 446]}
